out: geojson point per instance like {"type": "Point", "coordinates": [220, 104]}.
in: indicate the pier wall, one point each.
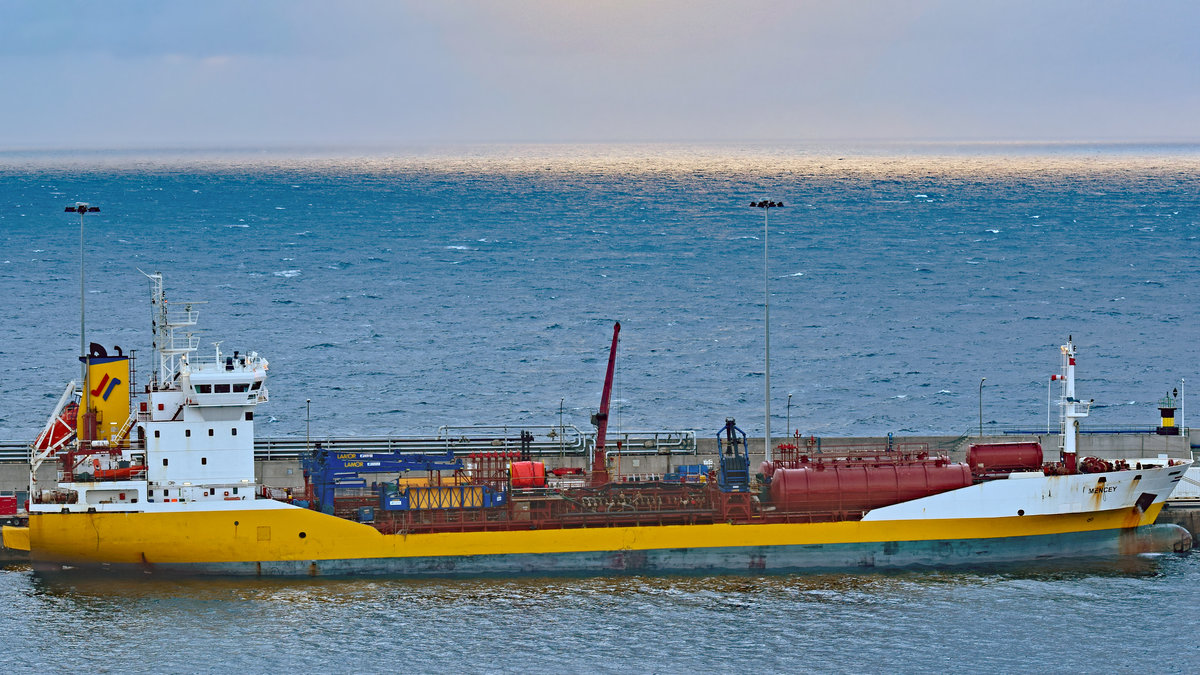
{"type": "Point", "coordinates": [283, 473]}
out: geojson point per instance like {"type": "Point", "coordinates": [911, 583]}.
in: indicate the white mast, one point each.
{"type": "Point", "coordinates": [172, 350]}
{"type": "Point", "coordinates": [1073, 409]}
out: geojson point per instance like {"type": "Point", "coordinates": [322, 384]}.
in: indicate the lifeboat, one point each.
{"type": "Point", "coordinates": [60, 430]}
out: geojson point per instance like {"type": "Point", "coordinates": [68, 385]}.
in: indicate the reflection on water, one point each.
{"type": "Point", "coordinates": [444, 592]}
{"type": "Point", "coordinates": [893, 160]}
{"type": "Point", "coordinates": [985, 619]}
{"type": "Point", "coordinates": [982, 618]}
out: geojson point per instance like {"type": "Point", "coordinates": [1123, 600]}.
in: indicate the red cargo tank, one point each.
{"type": "Point", "coordinates": [858, 486]}
{"type": "Point", "coordinates": [1004, 457]}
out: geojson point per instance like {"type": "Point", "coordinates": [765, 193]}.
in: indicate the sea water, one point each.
{"type": "Point", "coordinates": [1136, 615]}
{"type": "Point", "coordinates": [399, 293]}
{"type": "Point", "coordinates": [403, 291]}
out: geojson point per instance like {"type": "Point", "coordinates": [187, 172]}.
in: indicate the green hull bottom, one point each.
{"type": "Point", "coordinates": [1159, 538]}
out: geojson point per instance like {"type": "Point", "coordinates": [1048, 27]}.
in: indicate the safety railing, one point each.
{"type": "Point", "coordinates": [14, 451]}
{"type": "Point", "coordinates": [648, 442]}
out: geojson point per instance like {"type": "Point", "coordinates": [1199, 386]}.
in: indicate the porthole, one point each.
{"type": "Point", "coordinates": [1020, 512]}
{"type": "Point", "coordinates": [303, 535]}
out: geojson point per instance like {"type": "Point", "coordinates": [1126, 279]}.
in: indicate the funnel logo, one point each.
{"type": "Point", "coordinates": [108, 391]}
{"type": "Point", "coordinates": [106, 385]}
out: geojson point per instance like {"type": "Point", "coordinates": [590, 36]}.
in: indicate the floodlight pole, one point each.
{"type": "Point", "coordinates": [981, 381]}
{"type": "Point", "coordinates": [766, 206]}
{"type": "Point", "coordinates": [788, 432]}
{"type": "Point", "coordinates": [82, 208]}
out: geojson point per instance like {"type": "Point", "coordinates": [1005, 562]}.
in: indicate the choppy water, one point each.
{"type": "Point", "coordinates": [1137, 616]}
{"type": "Point", "coordinates": [404, 292]}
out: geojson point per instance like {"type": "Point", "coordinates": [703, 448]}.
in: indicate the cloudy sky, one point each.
{"type": "Point", "coordinates": [303, 73]}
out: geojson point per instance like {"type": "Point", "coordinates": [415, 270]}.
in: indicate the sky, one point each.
{"type": "Point", "coordinates": [295, 73]}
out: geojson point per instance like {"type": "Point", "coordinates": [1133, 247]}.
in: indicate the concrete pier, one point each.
{"type": "Point", "coordinates": [1184, 515]}
{"type": "Point", "coordinates": [284, 473]}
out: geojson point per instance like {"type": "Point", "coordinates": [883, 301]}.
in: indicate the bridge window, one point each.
{"type": "Point", "coordinates": [220, 389]}
{"type": "Point", "coordinates": [241, 388]}
{"type": "Point", "coordinates": [204, 389]}
{"type": "Point", "coordinates": [255, 386]}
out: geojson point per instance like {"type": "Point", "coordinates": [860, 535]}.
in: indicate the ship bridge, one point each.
{"type": "Point", "coordinates": [225, 380]}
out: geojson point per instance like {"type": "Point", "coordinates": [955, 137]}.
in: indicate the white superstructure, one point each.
{"type": "Point", "coordinates": [191, 440]}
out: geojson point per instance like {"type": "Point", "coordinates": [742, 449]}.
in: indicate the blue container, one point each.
{"type": "Point", "coordinates": [366, 514]}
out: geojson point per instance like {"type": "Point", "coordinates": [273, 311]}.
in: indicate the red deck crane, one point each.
{"type": "Point", "coordinates": [600, 461]}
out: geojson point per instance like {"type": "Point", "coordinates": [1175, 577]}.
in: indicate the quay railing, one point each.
{"type": "Point", "coordinates": [1099, 429]}
{"type": "Point", "coordinates": [549, 440]}
{"type": "Point", "coordinates": [545, 440]}
{"type": "Point", "coordinates": [647, 442]}
{"type": "Point", "coordinates": [14, 451]}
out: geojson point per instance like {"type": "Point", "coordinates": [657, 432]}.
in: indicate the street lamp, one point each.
{"type": "Point", "coordinates": [81, 208]}
{"type": "Point", "coordinates": [766, 206]}
{"type": "Point", "coordinates": [789, 419]}
{"type": "Point", "coordinates": [981, 381]}
{"type": "Point", "coordinates": [1048, 383]}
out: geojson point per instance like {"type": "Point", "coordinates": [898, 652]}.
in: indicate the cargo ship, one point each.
{"type": "Point", "coordinates": [164, 482]}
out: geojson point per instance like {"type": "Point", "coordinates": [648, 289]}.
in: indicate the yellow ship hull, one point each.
{"type": "Point", "coordinates": [293, 541]}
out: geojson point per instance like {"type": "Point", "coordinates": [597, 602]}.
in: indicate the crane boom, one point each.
{"type": "Point", "coordinates": [600, 462]}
